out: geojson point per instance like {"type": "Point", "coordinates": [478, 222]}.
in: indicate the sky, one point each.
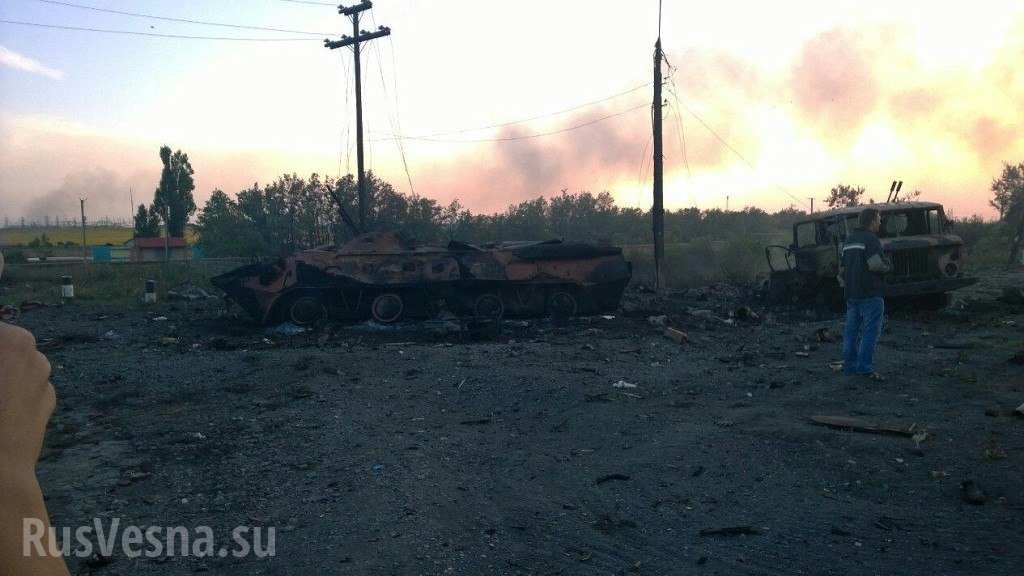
{"type": "Point", "coordinates": [767, 104]}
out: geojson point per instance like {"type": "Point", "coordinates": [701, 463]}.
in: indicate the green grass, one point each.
{"type": "Point", "coordinates": [702, 262]}
{"type": "Point", "coordinates": [98, 282]}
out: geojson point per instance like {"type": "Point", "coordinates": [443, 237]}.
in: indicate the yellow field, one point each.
{"type": "Point", "coordinates": [94, 235]}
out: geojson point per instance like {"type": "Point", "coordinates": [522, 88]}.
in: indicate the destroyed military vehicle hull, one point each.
{"type": "Point", "coordinates": [927, 261]}
{"type": "Point", "coordinates": [386, 277]}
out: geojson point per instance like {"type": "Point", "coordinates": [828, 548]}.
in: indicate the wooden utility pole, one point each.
{"type": "Point", "coordinates": [658, 210]}
{"type": "Point", "coordinates": [81, 202]}
{"type": "Point", "coordinates": [358, 36]}
{"type": "Point", "coordinates": [811, 198]}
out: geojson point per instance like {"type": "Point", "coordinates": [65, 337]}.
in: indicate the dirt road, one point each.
{"type": "Point", "coordinates": [404, 452]}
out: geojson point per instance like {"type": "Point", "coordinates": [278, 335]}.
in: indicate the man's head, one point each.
{"type": "Point", "coordinates": [870, 219]}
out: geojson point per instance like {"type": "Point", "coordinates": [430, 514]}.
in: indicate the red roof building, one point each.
{"type": "Point", "coordinates": [157, 249]}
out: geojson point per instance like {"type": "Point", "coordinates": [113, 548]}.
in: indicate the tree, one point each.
{"type": "Point", "coordinates": [1008, 198]}
{"type": "Point", "coordinates": [844, 195]}
{"type": "Point", "coordinates": [223, 231]}
{"type": "Point", "coordinates": [173, 199]}
{"type": "Point", "coordinates": [147, 223]}
{"type": "Point", "coordinates": [1008, 189]}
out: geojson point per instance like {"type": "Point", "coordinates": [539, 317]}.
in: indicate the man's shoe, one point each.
{"type": "Point", "coordinates": [874, 376]}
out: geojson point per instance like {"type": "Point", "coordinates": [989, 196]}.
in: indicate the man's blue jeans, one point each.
{"type": "Point", "coordinates": [863, 325]}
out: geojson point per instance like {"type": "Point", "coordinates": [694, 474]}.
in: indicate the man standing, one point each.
{"type": "Point", "coordinates": [863, 266]}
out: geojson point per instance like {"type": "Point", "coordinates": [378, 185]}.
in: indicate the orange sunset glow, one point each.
{"type": "Point", "coordinates": [773, 103]}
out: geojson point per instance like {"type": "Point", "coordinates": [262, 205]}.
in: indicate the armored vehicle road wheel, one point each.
{"type": "Point", "coordinates": [489, 306]}
{"type": "Point", "coordinates": [305, 310]}
{"type": "Point", "coordinates": [387, 308]}
{"type": "Point", "coordinates": [562, 304]}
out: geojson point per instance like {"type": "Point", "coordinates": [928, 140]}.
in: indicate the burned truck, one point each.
{"type": "Point", "coordinates": [927, 260]}
{"type": "Point", "coordinates": [387, 277]}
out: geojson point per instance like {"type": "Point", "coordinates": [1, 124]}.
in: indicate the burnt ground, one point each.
{"type": "Point", "coordinates": [407, 452]}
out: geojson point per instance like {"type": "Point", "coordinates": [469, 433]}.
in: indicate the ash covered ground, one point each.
{"type": "Point", "coordinates": [593, 446]}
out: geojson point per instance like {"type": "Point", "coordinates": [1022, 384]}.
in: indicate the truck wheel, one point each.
{"type": "Point", "coordinates": [387, 308]}
{"type": "Point", "coordinates": [305, 310]}
{"type": "Point", "coordinates": [562, 304]}
{"type": "Point", "coordinates": [489, 306]}
{"type": "Point", "coordinates": [776, 292]}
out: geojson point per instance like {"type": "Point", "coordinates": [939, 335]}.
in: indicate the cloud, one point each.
{"type": "Point", "coordinates": [100, 187]}
{"type": "Point", "coordinates": [12, 59]}
{"type": "Point", "coordinates": [834, 81]}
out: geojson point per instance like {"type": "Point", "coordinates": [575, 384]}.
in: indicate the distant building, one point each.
{"type": "Point", "coordinates": [153, 249]}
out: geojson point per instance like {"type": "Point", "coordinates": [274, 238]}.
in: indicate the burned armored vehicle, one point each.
{"type": "Point", "coordinates": [928, 261]}
{"type": "Point", "coordinates": [386, 277]}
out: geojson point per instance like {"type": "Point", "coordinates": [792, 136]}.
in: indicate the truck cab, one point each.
{"type": "Point", "coordinates": [928, 260]}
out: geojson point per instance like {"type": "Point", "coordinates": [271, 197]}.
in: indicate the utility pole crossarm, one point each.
{"type": "Point", "coordinates": [363, 37]}
{"type": "Point", "coordinates": [366, 5]}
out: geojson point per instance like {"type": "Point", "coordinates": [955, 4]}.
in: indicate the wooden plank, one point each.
{"type": "Point", "coordinates": [859, 425]}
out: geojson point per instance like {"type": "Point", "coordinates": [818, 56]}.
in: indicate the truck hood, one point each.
{"type": "Point", "coordinates": [923, 241]}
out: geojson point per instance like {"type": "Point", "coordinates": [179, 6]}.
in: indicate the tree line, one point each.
{"type": "Point", "coordinates": [294, 212]}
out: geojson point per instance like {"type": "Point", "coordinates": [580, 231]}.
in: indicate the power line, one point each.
{"type": "Point", "coordinates": [681, 136]}
{"type": "Point", "coordinates": [726, 143]}
{"type": "Point", "coordinates": [185, 20]}
{"type": "Point", "coordinates": [524, 137]}
{"type": "Point", "coordinates": [531, 119]}
{"type": "Point", "coordinates": [152, 34]}
{"type": "Point", "coordinates": [396, 123]}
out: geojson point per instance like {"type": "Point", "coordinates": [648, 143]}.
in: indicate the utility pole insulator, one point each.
{"type": "Point", "coordinates": [352, 10]}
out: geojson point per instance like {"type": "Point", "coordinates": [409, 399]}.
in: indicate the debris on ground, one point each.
{"type": "Point", "coordinates": [58, 342]}
{"type": "Point", "coordinates": [658, 320]}
{"type": "Point", "coordinates": [1020, 410]}
{"type": "Point", "coordinates": [623, 384]}
{"type": "Point", "coordinates": [702, 313]}
{"type": "Point", "coordinates": [286, 329]}
{"type": "Point", "coordinates": [994, 453]}
{"type": "Point", "coordinates": [731, 531]}
{"type": "Point", "coordinates": [189, 291]}
{"type": "Point", "coordinates": [858, 425]}
{"type": "Point", "coordinates": [746, 314]}
{"type": "Point", "coordinates": [609, 477]}
{"type": "Point", "coordinates": [825, 335]}
{"type": "Point", "coordinates": [1013, 295]}
{"type": "Point", "coordinates": [971, 493]}
{"type": "Point", "coordinates": [677, 336]}
{"type": "Point", "coordinates": [10, 312]}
